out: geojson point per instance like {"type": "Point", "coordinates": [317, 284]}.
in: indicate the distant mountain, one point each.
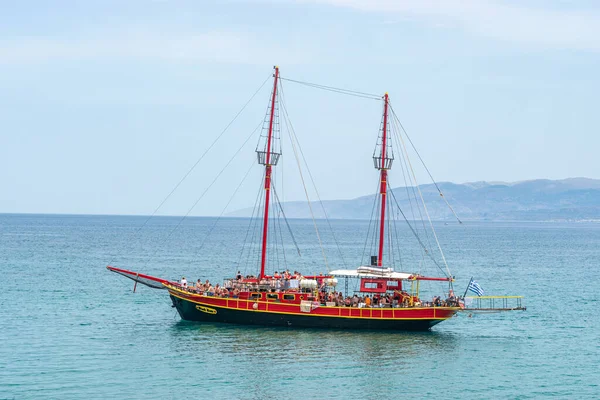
{"type": "Point", "coordinates": [534, 200]}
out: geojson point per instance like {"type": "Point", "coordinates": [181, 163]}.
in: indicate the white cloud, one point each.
{"type": "Point", "coordinates": [535, 26]}
{"type": "Point", "coordinates": [223, 47]}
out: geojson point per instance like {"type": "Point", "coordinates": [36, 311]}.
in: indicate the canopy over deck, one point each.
{"type": "Point", "coordinates": [385, 273]}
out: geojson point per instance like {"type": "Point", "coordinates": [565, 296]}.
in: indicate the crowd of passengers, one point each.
{"type": "Point", "coordinates": [233, 288]}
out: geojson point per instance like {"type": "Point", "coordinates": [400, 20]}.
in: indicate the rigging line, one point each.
{"type": "Point", "coordinates": [336, 90]}
{"type": "Point", "coordinates": [404, 174]}
{"type": "Point", "coordinates": [305, 190]}
{"type": "Point", "coordinates": [287, 118]}
{"type": "Point", "coordinates": [375, 236]}
{"type": "Point", "coordinates": [397, 237]}
{"type": "Point", "coordinates": [253, 248]}
{"type": "Point", "coordinates": [404, 166]}
{"type": "Point", "coordinates": [287, 222]}
{"type": "Point", "coordinates": [285, 263]}
{"type": "Point", "coordinates": [424, 247]}
{"type": "Point", "coordinates": [282, 180]}
{"type": "Point", "coordinates": [276, 178]}
{"type": "Point", "coordinates": [417, 236]}
{"type": "Point", "coordinates": [274, 243]}
{"type": "Point", "coordinates": [225, 208]}
{"type": "Point", "coordinates": [375, 202]}
{"type": "Point", "coordinates": [425, 166]}
{"type": "Point", "coordinates": [343, 92]}
{"type": "Point", "coordinates": [249, 226]}
{"type": "Point", "coordinates": [274, 217]}
{"type": "Point", "coordinates": [207, 150]}
{"type": "Point", "coordinates": [424, 205]}
{"type": "Point", "coordinates": [281, 232]}
{"type": "Point", "coordinates": [200, 159]}
{"type": "Point", "coordinates": [259, 226]}
{"type": "Point", "coordinates": [389, 234]}
{"type": "Point", "coordinates": [212, 183]}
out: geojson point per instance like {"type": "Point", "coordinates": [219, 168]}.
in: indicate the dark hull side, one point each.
{"type": "Point", "coordinates": [191, 311]}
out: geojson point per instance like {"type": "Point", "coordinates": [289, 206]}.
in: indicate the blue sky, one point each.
{"type": "Point", "coordinates": [106, 104]}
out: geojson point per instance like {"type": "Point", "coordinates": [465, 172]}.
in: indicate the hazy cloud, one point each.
{"type": "Point", "coordinates": [224, 47]}
{"type": "Point", "coordinates": [541, 27]}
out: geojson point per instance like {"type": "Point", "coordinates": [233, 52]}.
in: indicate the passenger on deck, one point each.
{"type": "Point", "coordinates": [384, 302]}
{"type": "Point", "coordinates": [184, 282]}
{"type": "Point", "coordinates": [355, 301]}
{"type": "Point", "coordinates": [199, 286]}
{"type": "Point", "coordinates": [367, 301]}
{"type": "Point", "coordinates": [451, 298]}
{"type": "Point", "coordinates": [286, 279]}
{"type": "Point", "coordinates": [236, 293]}
{"type": "Point", "coordinates": [238, 276]}
{"type": "Point", "coordinates": [210, 291]}
{"type": "Point", "coordinates": [323, 286]}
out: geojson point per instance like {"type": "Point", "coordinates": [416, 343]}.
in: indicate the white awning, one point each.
{"type": "Point", "coordinates": [355, 273]}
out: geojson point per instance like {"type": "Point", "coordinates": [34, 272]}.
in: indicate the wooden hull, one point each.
{"type": "Point", "coordinates": [249, 312]}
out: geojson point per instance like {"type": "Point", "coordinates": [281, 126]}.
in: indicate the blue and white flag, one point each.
{"type": "Point", "coordinates": [475, 288]}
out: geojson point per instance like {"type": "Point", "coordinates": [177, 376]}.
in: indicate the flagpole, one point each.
{"type": "Point", "coordinates": [465, 295]}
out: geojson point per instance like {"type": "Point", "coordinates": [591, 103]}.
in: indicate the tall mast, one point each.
{"type": "Point", "coordinates": [267, 162]}
{"type": "Point", "coordinates": [384, 165]}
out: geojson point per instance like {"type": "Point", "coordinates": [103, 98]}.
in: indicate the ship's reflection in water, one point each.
{"type": "Point", "coordinates": [276, 357]}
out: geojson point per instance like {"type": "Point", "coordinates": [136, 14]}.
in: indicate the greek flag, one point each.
{"type": "Point", "coordinates": [475, 288]}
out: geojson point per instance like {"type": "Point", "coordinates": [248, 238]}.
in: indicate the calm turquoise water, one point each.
{"type": "Point", "coordinates": [71, 329]}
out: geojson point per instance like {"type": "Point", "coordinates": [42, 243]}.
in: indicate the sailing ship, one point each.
{"type": "Point", "coordinates": [385, 299]}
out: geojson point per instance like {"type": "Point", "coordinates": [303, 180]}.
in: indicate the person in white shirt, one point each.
{"type": "Point", "coordinates": [184, 282]}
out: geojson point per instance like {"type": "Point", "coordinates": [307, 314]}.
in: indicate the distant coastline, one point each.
{"type": "Point", "coordinates": [538, 200]}
{"type": "Point", "coordinates": [177, 218]}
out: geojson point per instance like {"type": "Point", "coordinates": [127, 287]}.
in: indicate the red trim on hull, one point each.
{"type": "Point", "coordinates": [412, 313]}
{"type": "Point", "coordinates": [207, 312]}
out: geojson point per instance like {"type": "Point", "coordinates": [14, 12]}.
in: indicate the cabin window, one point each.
{"type": "Point", "coordinates": [255, 296]}
{"type": "Point", "coordinates": [289, 297]}
{"type": "Point", "coordinates": [272, 296]}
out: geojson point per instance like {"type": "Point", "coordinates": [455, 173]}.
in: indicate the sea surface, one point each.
{"type": "Point", "coordinates": [70, 329]}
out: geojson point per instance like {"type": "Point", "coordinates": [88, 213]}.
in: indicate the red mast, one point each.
{"type": "Point", "coordinates": [383, 188]}
{"type": "Point", "coordinates": [267, 163]}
